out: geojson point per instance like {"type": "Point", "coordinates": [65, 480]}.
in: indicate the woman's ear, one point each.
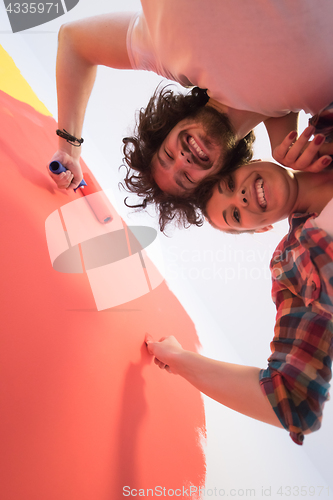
{"type": "Point", "coordinates": [264, 229]}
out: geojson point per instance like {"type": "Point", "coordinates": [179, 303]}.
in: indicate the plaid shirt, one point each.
{"type": "Point", "coordinates": [296, 381]}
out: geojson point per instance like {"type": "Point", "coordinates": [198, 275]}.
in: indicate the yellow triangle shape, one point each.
{"type": "Point", "coordinates": [13, 83]}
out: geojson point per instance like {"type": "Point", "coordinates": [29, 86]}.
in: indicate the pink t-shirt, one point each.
{"type": "Point", "coordinates": [264, 56]}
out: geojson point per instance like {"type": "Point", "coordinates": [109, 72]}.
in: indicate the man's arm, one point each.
{"type": "Point", "coordinates": [83, 45]}
{"type": "Point", "coordinates": [234, 386]}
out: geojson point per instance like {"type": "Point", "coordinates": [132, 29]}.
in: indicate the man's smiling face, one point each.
{"type": "Point", "coordinates": [192, 151]}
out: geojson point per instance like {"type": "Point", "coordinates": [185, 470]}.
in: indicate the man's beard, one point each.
{"type": "Point", "coordinates": [217, 127]}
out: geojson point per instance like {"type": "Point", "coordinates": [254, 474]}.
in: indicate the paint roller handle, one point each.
{"type": "Point", "coordinates": [57, 168]}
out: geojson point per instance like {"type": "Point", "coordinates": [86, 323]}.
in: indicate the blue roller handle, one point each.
{"type": "Point", "coordinates": [57, 168]}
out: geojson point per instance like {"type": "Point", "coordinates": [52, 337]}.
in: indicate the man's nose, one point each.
{"type": "Point", "coordinates": [182, 161]}
{"type": "Point", "coordinates": [185, 156]}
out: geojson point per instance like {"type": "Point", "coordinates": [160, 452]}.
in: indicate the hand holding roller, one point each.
{"type": "Point", "coordinates": [95, 198]}
{"type": "Point", "coordinates": [57, 168]}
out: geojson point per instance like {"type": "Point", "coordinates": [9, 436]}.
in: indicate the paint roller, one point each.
{"type": "Point", "coordinates": [98, 202]}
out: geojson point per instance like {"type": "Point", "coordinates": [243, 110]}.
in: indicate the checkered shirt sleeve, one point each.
{"type": "Point", "coordinates": [296, 381]}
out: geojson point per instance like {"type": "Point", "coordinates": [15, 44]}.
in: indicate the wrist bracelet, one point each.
{"type": "Point", "coordinates": [71, 139]}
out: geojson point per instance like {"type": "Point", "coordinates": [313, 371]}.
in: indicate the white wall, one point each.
{"type": "Point", "coordinates": [222, 280]}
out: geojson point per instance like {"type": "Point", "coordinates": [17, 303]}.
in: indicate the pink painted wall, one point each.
{"type": "Point", "coordinates": [84, 411]}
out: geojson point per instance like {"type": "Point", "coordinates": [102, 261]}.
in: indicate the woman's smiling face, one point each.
{"type": "Point", "coordinates": [252, 198]}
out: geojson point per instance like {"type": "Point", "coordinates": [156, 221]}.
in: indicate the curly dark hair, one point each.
{"type": "Point", "coordinates": [165, 109]}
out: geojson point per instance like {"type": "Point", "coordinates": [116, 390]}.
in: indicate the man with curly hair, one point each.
{"type": "Point", "coordinates": [156, 169]}
{"type": "Point", "coordinates": [260, 61]}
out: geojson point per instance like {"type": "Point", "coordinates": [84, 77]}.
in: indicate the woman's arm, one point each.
{"type": "Point", "coordinates": [83, 45]}
{"type": "Point", "coordinates": [325, 218]}
{"type": "Point", "coordinates": [278, 128]}
{"type": "Point", "coordinates": [301, 153]}
{"type": "Point", "coordinates": [235, 386]}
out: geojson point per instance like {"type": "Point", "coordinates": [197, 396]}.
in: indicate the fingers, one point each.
{"type": "Point", "coordinates": [148, 338]}
{"type": "Point", "coordinates": [290, 148]}
{"type": "Point", "coordinates": [295, 146]}
{"type": "Point", "coordinates": [161, 365]}
{"type": "Point", "coordinates": [302, 154]}
{"type": "Point", "coordinates": [66, 179]}
{"type": "Point", "coordinates": [73, 185]}
{"type": "Point", "coordinates": [72, 177]}
{"type": "Point", "coordinates": [307, 159]}
{"type": "Point", "coordinates": [150, 347]}
{"type": "Point", "coordinates": [63, 180]}
{"type": "Point", "coordinates": [317, 165]}
{"type": "Point", "coordinates": [148, 341]}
